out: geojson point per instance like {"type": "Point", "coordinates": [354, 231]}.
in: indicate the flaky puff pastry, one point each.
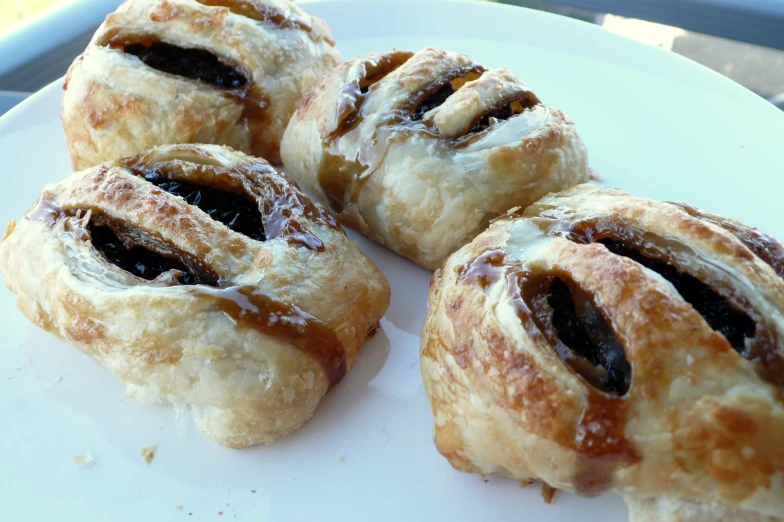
{"type": "Point", "coordinates": [201, 277]}
{"type": "Point", "coordinates": [600, 342]}
{"type": "Point", "coordinates": [420, 151]}
{"type": "Point", "coordinates": [192, 71]}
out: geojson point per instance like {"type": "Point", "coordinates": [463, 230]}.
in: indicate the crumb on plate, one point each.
{"type": "Point", "coordinates": [548, 492]}
{"type": "Point", "coordinates": [148, 453]}
{"type": "Point", "coordinates": [83, 460]}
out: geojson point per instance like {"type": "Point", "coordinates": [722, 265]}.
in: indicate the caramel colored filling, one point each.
{"type": "Point", "coordinates": [195, 64]}
{"type": "Point", "coordinates": [233, 210]}
{"type": "Point", "coordinates": [434, 100]}
{"type": "Point", "coordinates": [437, 93]}
{"type": "Point", "coordinates": [735, 325]}
{"type": "Point", "coordinates": [579, 332]}
{"type": "Point", "coordinates": [584, 330]}
{"type": "Point", "coordinates": [124, 248]}
{"type": "Point", "coordinates": [504, 112]}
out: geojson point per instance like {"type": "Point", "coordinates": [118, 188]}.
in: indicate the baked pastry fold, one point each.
{"type": "Point", "coordinates": [598, 341]}
{"type": "Point", "coordinates": [228, 72]}
{"type": "Point", "coordinates": [201, 277]}
{"type": "Point", "coordinates": [419, 151]}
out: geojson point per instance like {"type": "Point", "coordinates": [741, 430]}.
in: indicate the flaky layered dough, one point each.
{"type": "Point", "coordinates": [602, 342]}
{"type": "Point", "coordinates": [420, 150]}
{"type": "Point", "coordinates": [267, 54]}
{"type": "Point", "coordinates": [246, 334]}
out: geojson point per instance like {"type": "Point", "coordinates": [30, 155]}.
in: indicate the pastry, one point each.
{"type": "Point", "coordinates": [601, 342]}
{"type": "Point", "coordinates": [201, 277]}
{"type": "Point", "coordinates": [159, 72]}
{"type": "Point", "coordinates": [420, 151]}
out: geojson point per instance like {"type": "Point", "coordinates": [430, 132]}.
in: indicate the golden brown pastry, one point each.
{"type": "Point", "coordinates": [601, 342]}
{"type": "Point", "coordinates": [201, 277]}
{"type": "Point", "coordinates": [420, 150]}
{"type": "Point", "coordinates": [192, 71]}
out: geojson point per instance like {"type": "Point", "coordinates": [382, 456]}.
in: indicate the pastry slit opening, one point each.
{"type": "Point", "coordinates": [766, 248]}
{"type": "Point", "coordinates": [194, 64]}
{"type": "Point", "coordinates": [368, 73]}
{"type": "Point", "coordinates": [237, 211]}
{"type": "Point", "coordinates": [734, 324]}
{"type": "Point", "coordinates": [579, 333]}
{"type": "Point", "coordinates": [260, 13]}
{"type": "Point", "coordinates": [134, 252]}
{"type": "Point", "coordinates": [437, 92]}
{"type": "Point", "coordinates": [505, 110]}
{"type": "Point", "coordinates": [375, 71]}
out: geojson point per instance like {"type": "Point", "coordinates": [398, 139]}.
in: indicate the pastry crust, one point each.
{"type": "Point", "coordinates": [115, 105]}
{"type": "Point", "coordinates": [419, 181]}
{"type": "Point", "coordinates": [693, 435]}
{"type": "Point", "coordinates": [251, 350]}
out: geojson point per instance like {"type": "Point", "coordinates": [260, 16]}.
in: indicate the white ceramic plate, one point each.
{"type": "Point", "coordinates": [655, 124]}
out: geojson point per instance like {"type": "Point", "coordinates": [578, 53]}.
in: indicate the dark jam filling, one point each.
{"type": "Point", "coordinates": [736, 326]}
{"type": "Point", "coordinates": [233, 210]}
{"type": "Point", "coordinates": [504, 113]}
{"type": "Point", "coordinates": [138, 260]}
{"type": "Point", "coordinates": [195, 64]}
{"type": "Point", "coordinates": [584, 330]}
{"type": "Point", "coordinates": [433, 101]}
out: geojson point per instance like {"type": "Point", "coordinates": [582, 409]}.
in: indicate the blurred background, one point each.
{"type": "Point", "coordinates": [741, 39]}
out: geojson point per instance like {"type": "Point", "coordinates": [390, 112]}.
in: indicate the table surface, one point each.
{"type": "Point", "coordinates": [753, 21]}
{"type": "Point", "coordinates": [9, 100]}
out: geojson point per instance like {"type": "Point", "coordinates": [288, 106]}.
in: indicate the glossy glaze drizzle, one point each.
{"type": "Point", "coordinates": [766, 248]}
{"type": "Point", "coordinates": [342, 177]}
{"type": "Point", "coordinates": [488, 268]}
{"type": "Point", "coordinates": [284, 205]}
{"type": "Point", "coordinates": [280, 205]}
{"type": "Point", "coordinates": [45, 211]}
{"type": "Point", "coordinates": [271, 316]}
{"type": "Point", "coordinates": [366, 74]}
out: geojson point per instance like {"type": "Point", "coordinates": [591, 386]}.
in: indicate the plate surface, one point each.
{"type": "Point", "coordinates": [655, 124]}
